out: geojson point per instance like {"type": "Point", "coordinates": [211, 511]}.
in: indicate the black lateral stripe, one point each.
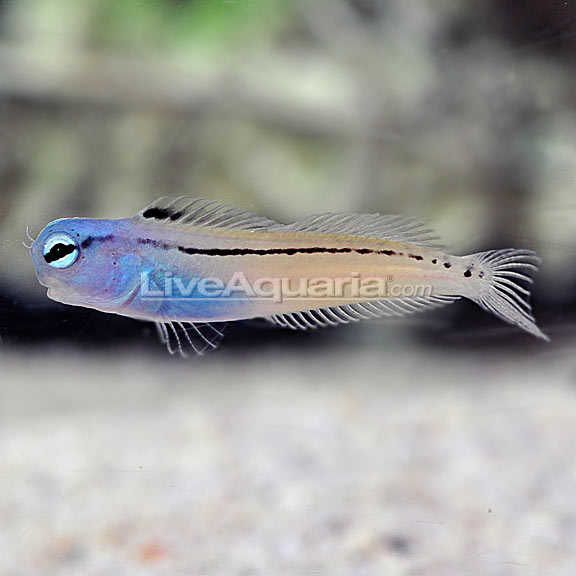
{"type": "Point", "coordinates": [155, 243]}
{"type": "Point", "coordinates": [87, 243]}
{"type": "Point", "coordinates": [89, 240]}
{"type": "Point", "coordinates": [266, 252]}
{"type": "Point", "coordinates": [278, 251]}
{"type": "Point", "coordinates": [256, 252]}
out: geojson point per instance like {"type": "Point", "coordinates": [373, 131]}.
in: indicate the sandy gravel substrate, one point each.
{"type": "Point", "coordinates": [347, 463]}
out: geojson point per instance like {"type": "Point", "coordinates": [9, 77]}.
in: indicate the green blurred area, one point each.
{"type": "Point", "coordinates": [148, 25]}
{"type": "Point", "coordinates": [180, 26]}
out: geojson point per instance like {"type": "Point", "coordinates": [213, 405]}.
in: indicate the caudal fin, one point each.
{"type": "Point", "coordinates": [504, 286]}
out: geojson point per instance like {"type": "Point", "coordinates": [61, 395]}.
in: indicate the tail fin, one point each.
{"type": "Point", "coordinates": [505, 286]}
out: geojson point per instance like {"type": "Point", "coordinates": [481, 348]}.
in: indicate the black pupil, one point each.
{"type": "Point", "coordinates": [59, 251]}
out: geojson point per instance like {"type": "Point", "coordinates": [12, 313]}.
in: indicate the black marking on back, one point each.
{"type": "Point", "coordinates": [468, 273]}
{"type": "Point", "coordinates": [416, 257]}
{"type": "Point", "coordinates": [157, 214]}
{"type": "Point", "coordinates": [177, 215]}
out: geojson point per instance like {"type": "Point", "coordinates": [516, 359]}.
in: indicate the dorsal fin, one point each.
{"type": "Point", "coordinates": [388, 227]}
{"type": "Point", "coordinates": [210, 214]}
{"type": "Point", "coordinates": [207, 213]}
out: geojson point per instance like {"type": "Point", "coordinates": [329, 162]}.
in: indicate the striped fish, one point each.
{"type": "Point", "coordinates": [188, 264]}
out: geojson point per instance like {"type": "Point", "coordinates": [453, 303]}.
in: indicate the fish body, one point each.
{"type": "Point", "coordinates": [188, 262]}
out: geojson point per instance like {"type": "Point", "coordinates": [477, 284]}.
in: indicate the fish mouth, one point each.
{"type": "Point", "coordinates": [123, 301]}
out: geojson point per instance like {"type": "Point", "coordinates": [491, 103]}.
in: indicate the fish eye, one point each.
{"type": "Point", "coordinates": [61, 251]}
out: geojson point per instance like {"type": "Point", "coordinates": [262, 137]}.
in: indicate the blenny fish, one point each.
{"type": "Point", "coordinates": [188, 264]}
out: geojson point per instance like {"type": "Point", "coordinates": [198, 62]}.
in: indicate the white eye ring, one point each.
{"type": "Point", "coordinates": [61, 251]}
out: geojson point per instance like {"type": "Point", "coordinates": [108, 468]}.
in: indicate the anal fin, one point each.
{"type": "Point", "coordinates": [354, 312]}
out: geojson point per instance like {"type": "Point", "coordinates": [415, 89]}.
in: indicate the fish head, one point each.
{"type": "Point", "coordinates": [85, 262]}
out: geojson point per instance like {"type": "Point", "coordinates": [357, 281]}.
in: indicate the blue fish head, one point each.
{"type": "Point", "coordinates": [86, 262]}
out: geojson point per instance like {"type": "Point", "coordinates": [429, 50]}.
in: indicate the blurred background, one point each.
{"type": "Point", "coordinates": [436, 445]}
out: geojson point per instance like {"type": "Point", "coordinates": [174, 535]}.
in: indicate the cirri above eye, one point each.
{"type": "Point", "coordinates": [61, 251]}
